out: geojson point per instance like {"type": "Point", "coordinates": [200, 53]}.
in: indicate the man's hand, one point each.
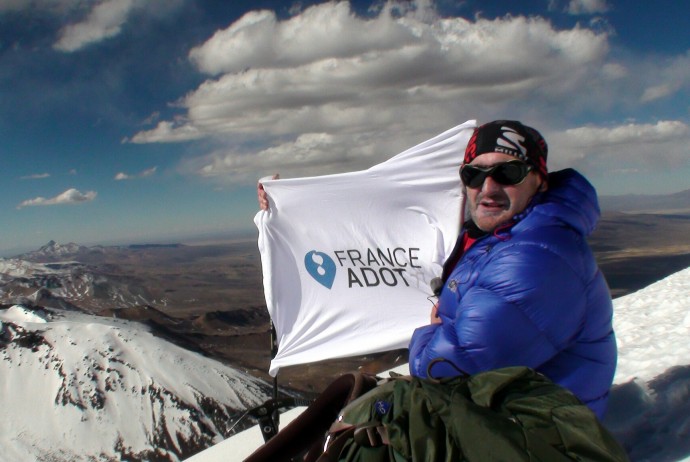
{"type": "Point", "coordinates": [261, 193]}
{"type": "Point", "coordinates": [434, 318]}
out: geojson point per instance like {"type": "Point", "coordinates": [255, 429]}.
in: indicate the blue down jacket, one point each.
{"type": "Point", "coordinates": [530, 295]}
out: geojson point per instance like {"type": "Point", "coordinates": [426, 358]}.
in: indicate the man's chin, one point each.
{"type": "Point", "coordinates": [490, 221]}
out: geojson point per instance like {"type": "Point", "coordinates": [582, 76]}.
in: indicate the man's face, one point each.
{"type": "Point", "coordinates": [493, 204]}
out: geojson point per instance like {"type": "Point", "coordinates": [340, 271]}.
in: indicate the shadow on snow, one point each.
{"type": "Point", "coordinates": [652, 420]}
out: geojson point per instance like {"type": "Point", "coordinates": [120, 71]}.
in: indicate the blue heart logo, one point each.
{"type": "Point", "coordinates": [321, 267]}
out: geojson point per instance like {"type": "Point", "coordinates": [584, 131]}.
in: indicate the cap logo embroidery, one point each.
{"type": "Point", "coordinates": [512, 142]}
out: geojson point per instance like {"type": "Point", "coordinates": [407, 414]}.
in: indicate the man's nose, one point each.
{"type": "Point", "coordinates": [490, 185]}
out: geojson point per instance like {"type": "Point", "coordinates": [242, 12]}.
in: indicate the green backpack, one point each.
{"type": "Point", "coordinates": [510, 414]}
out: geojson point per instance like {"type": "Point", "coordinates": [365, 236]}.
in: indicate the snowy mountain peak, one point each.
{"type": "Point", "coordinates": [54, 250]}
{"type": "Point", "coordinates": [112, 389]}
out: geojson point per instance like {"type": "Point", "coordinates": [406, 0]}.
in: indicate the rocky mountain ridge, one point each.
{"type": "Point", "coordinates": [69, 285]}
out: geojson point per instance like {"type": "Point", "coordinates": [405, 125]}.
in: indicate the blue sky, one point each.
{"type": "Point", "coordinates": [150, 120]}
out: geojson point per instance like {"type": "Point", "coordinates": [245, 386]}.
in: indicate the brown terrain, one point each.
{"type": "Point", "coordinates": [209, 297]}
{"type": "Point", "coordinates": [635, 250]}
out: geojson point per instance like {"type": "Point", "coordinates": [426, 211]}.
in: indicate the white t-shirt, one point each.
{"type": "Point", "coordinates": [347, 258]}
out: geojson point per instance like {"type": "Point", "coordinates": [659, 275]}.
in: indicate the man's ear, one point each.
{"type": "Point", "coordinates": [543, 187]}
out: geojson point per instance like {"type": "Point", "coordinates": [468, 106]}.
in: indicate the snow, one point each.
{"type": "Point", "coordinates": [75, 386]}
{"type": "Point", "coordinates": [20, 315]}
{"type": "Point", "coordinates": [649, 410]}
{"type": "Point", "coordinates": [653, 328]}
{"type": "Point", "coordinates": [14, 268]}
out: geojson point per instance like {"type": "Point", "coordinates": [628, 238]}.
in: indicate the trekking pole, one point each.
{"type": "Point", "coordinates": [274, 352]}
{"type": "Point", "coordinates": [275, 416]}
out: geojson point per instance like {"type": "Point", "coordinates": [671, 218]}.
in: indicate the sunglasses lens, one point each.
{"type": "Point", "coordinates": [472, 177]}
{"type": "Point", "coordinates": [508, 173]}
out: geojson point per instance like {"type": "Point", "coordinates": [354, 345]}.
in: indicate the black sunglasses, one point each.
{"type": "Point", "coordinates": [508, 173]}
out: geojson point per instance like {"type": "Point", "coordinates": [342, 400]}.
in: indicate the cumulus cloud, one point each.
{"type": "Point", "coordinates": [375, 83]}
{"type": "Point", "coordinates": [627, 134]}
{"type": "Point", "coordinates": [143, 174]}
{"type": "Point", "coordinates": [658, 145]}
{"type": "Point", "coordinates": [326, 31]}
{"type": "Point", "coordinates": [308, 154]}
{"type": "Point", "coordinates": [71, 196]}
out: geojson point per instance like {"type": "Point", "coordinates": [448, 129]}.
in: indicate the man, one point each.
{"type": "Point", "coordinates": [522, 286]}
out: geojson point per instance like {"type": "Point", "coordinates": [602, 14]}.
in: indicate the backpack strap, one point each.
{"type": "Point", "coordinates": [335, 443]}
{"type": "Point", "coordinates": [368, 435]}
{"type": "Point", "coordinates": [305, 434]}
{"type": "Point", "coordinates": [542, 450]}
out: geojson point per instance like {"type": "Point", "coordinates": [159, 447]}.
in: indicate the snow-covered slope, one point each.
{"type": "Point", "coordinates": [54, 250]}
{"type": "Point", "coordinates": [649, 410]}
{"type": "Point", "coordinates": [77, 387]}
{"type": "Point", "coordinates": [653, 328]}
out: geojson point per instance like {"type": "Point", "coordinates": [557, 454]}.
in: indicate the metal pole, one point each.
{"type": "Point", "coordinates": [274, 351]}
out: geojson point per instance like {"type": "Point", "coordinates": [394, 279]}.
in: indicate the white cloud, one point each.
{"type": "Point", "coordinates": [105, 18]}
{"type": "Point", "coordinates": [35, 176]}
{"type": "Point", "coordinates": [143, 174]}
{"type": "Point", "coordinates": [627, 134]}
{"type": "Point", "coordinates": [582, 7]}
{"type": "Point", "coordinates": [71, 196]}
{"type": "Point", "coordinates": [167, 131]}
{"type": "Point", "coordinates": [377, 84]}
{"type": "Point", "coordinates": [326, 31]}
{"type": "Point", "coordinates": [670, 77]}
{"type": "Point", "coordinates": [627, 146]}
{"type": "Point", "coordinates": [148, 172]}
{"type": "Point", "coordinates": [614, 71]}
{"type": "Point", "coordinates": [309, 154]}
{"type": "Point", "coordinates": [153, 118]}
{"type": "Point", "coordinates": [656, 92]}
{"type": "Point", "coordinates": [104, 21]}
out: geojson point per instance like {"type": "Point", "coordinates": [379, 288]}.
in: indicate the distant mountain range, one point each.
{"type": "Point", "coordinates": [53, 251]}
{"type": "Point", "coordinates": [665, 203]}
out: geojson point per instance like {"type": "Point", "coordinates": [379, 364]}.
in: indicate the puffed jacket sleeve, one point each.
{"type": "Point", "coordinates": [526, 305]}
